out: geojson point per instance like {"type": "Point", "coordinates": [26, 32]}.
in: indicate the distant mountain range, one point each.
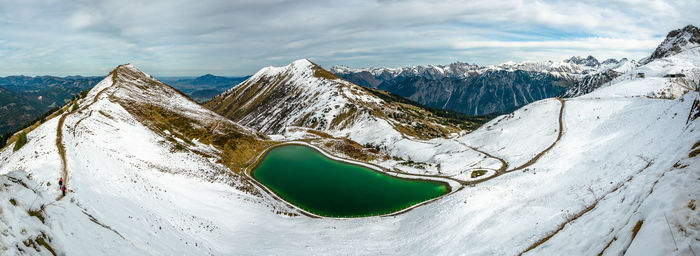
{"type": "Point", "coordinates": [23, 98]}
{"type": "Point", "coordinates": [205, 87]}
{"type": "Point", "coordinates": [479, 90]}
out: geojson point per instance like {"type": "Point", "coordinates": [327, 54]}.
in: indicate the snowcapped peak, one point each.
{"type": "Point", "coordinates": [129, 67]}
{"type": "Point", "coordinates": [298, 67]}
{"type": "Point", "coordinates": [610, 61]}
{"type": "Point", "coordinates": [508, 63]}
{"type": "Point", "coordinates": [134, 89]}
{"type": "Point", "coordinates": [302, 62]}
{"type": "Point", "coordinates": [341, 69]}
{"type": "Point", "coordinates": [589, 61]}
{"type": "Point", "coordinates": [677, 41]}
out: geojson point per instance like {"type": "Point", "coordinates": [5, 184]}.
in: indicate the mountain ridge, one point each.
{"type": "Point", "coordinates": [304, 94]}
{"type": "Point", "coordinates": [676, 41]}
{"type": "Point", "coordinates": [477, 90]}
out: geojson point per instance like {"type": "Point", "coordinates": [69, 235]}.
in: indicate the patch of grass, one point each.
{"type": "Point", "coordinates": [697, 144]}
{"type": "Point", "coordinates": [237, 148]}
{"type": "Point", "coordinates": [478, 173]}
{"type": "Point", "coordinates": [21, 141]}
{"type": "Point", "coordinates": [344, 117]}
{"type": "Point", "coordinates": [320, 134]}
{"type": "Point", "coordinates": [13, 202]}
{"type": "Point", "coordinates": [636, 228]}
{"type": "Point", "coordinates": [694, 153]}
{"type": "Point", "coordinates": [606, 246]}
{"type": "Point", "coordinates": [179, 147]}
{"type": "Point", "coordinates": [37, 213]}
{"type": "Point", "coordinates": [322, 73]}
{"type": "Point", "coordinates": [41, 241]}
{"type": "Point", "coordinates": [30, 243]}
{"type": "Point", "coordinates": [302, 121]}
{"type": "Point", "coordinates": [237, 152]}
{"type": "Point", "coordinates": [105, 114]}
{"type": "Point", "coordinates": [351, 149]}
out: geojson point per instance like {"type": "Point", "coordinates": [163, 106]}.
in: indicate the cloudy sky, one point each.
{"type": "Point", "coordinates": [194, 37]}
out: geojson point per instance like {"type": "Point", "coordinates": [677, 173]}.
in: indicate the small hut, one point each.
{"type": "Point", "coordinates": [641, 75]}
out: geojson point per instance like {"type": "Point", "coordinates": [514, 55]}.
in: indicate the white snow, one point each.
{"type": "Point", "coordinates": [622, 158]}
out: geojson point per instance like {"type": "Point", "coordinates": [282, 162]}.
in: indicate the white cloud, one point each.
{"type": "Point", "coordinates": [596, 43]}
{"type": "Point", "coordinates": [81, 20]}
{"type": "Point", "coordinates": [187, 37]}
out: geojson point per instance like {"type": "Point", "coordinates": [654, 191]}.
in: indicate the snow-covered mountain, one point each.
{"type": "Point", "coordinates": [478, 90]}
{"type": "Point", "coordinates": [303, 94]}
{"type": "Point", "coordinates": [130, 153]}
{"type": "Point", "coordinates": [589, 61]}
{"type": "Point", "coordinates": [687, 38]}
{"type": "Point", "coordinates": [571, 67]}
{"type": "Point", "coordinates": [150, 172]}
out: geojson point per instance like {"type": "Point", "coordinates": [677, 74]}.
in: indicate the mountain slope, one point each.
{"type": "Point", "coordinates": [129, 154]}
{"type": "Point", "coordinates": [15, 110]}
{"type": "Point", "coordinates": [677, 41]}
{"type": "Point", "coordinates": [303, 94]}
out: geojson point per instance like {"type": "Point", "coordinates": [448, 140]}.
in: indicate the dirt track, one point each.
{"type": "Point", "coordinates": [62, 150]}
{"type": "Point", "coordinates": [504, 164]}
{"type": "Point", "coordinates": [59, 134]}
{"type": "Point", "coordinates": [561, 131]}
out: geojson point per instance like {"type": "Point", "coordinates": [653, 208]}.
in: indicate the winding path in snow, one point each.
{"type": "Point", "coordinates": [59, 132]}
{"type": "Point", "coordinates": [504, 164]}
{"type": "Point", "coordinates": [561, 132]}
{"type": "Point", "coordinates": [62, 150]}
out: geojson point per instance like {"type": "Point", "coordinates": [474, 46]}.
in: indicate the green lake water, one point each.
{"type": "Point", "coordinates": [306, 178]}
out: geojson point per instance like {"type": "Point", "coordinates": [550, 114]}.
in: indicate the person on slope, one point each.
{"type": "Point", "coordinates": [63, 188]}
{"type": "Point", "coordinates": [60, 183]}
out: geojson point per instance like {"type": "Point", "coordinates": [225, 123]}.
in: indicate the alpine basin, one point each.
{"type": "Point", "coordinates": [305, 177]}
